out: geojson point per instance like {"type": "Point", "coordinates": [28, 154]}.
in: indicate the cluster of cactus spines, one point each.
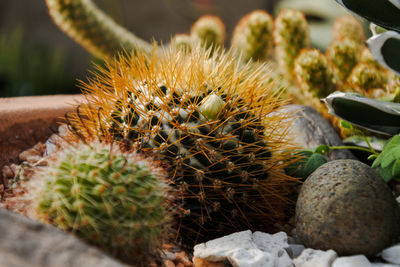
{"type": "Point", "coordinates": [291, 34]}
{"type": "Point", "coordinates": [110, 198]}
{"type": "Point", "coordinates": [313, 73]}
{"type": "Point", "coordinates": [208, 31]}
{"type": "Point", "coordinates": [93, 29]}
{"type": "Point", "coordinates": [253, 35]}
{"type": "Point", "coordinates": [212, 120]}
{"type": "Point", "coordinates": [347, 26]}
{"type": "Point", "coordinates": [343, 55]}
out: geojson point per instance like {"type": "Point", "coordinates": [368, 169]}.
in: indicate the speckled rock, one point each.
{"type": "Point", "coordinates": [25, 242]}
{"type": "Point", "coordinates": [346, 206]}
{"type": "Point", "coordinates": [309, 129]}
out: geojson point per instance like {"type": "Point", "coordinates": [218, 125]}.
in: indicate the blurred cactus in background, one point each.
{"type": "Point", "coordinates": [313, 73]}
{"type": "Point", "coordinates": [291, 34]}
{"type": "Point", "coordinates": [32, 69]}
{"type": "Point", "coordinates": [92, 28]}
{"type": "Point", "coordinates": [253, 36]}
{"type": "Point", "coordinates": [208, 31]}
{"type": "Point", "coordinates": [343, 55]}
{"type": "Point", "coordinates": [347, 26]}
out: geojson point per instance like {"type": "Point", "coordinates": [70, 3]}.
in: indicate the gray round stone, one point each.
{"type": "Point", "coordinates": [346, 206]}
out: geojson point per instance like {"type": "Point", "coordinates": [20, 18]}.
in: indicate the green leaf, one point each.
{"type": "Point", "coordinates": [372, 157]}
{"type": "Point", "coordinates": [322, 149]}
{"type": "Point", "coordinates": [386, 173]}
{"type": "Point", "coordinates": [308, 163]}
{"type": "Point", "coordinates": [385, 49]}
{"type": "Point", "coordinates": [396, 168]}
{"type": "Point", "coordinates": [374, 115]}
{"type": "Point", "coordinates": [346, 125]}
{"type": "Point", "coordinates": [384, 13]}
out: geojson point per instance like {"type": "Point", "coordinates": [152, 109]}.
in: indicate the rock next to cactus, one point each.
{"type": "Point", "coordinates": [253, 36]}
{"type": "Point", "coordinates": [210, 118]}
{"type": "Point", "coordinates": [115, 200]}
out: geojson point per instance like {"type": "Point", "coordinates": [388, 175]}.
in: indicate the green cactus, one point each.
{"type": "Point", "coordinates": [208, 31]}
{"type": "Point", "coordinates": [343, 55]}
{"type": "Point", "coordinates": [182, 42]}
{"type": "Point", "coordinates": [348, 27]}
{"type": "Point", "coordinates": [253, 36]}
{"type": "Point", "coordinates": [112, 199]}
{"type": "Point", "coordinates": [313, 73]}
{"type": "Point", "coordinates": [211, 119]}
{"type": "Point", "coordinates": [366, 76]}
{"type": "Point", "coordinates": [291, 34]}
{"type": "Point", "coordinates": [83, 21]}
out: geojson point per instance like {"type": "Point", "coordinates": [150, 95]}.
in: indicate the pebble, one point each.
{"type": "Point", "coordinates": [379, 264]}
{"type": "Point", "coordinates": [392, 254]}
{"type": "Point", "coordinates": [294, 250]}
{"type": "Point", "coordinates": [352, 261]}
{"type": "Point", "coordinates": [315, 258]}
{"type": "Point", "coordinates": [247, 249]}
{"type": "Point", "coordinates": [346, 206]}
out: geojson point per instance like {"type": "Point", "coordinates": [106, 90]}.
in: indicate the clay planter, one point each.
{"type": "Point", "coordinates": [25, 121]}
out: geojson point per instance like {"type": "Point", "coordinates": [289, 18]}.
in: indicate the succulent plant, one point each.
{"type": "Point", "coordinates": [291, 34]}
{"type": "Point", "coordinates": [208, 31]}
{"type": "Point", "coordinates": [83, 21]}
{"type": "Point", "coordinates": [211, 119]}
{"type": "Point", "coordinates": [313, 73]}
{"type": "Point", "coordinates": [343, 55]}
{"type": "Point", "coordinates": [384, 46]}
{"type": "Point", "coordinates": [253, 35]}
{"type": "Point", "coordinates": [113, 199]}
{"type": "Point", "coordinates": [348, 27]}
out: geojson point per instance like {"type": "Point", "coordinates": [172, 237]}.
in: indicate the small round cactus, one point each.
{"type": "Point", "coordinates": [367, 76]}
{"type": "Point", "coordinates": [291, 34]}
{"type": "Point", "coordinates": [212, 120]}
{"type": "Point", "coordinates": [208, 31]}
{"type": "Point", "coordinates": [313, 73]}
{"type": "Point", "coordinates": [347, 26]}
{"type": "Point", "coordinates": [343, 55]}
{"type": "Point", "coordinates": [182, 42]}
{"type": "Point", "coordinates": [113, 199]}
{"type": "Point", "coordinates": [253, 35]}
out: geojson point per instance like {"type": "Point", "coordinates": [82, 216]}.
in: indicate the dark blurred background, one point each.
{"type": "Point", "coordinates": [37, 58]}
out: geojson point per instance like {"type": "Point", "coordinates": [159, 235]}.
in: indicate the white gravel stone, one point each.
{"type": "Point", "coordinates": [244, 249]}
{"type": "Point", "coordinates": [352, 261]}
{"type": "Point", "coordinates": [392, 254]}
{"type": "Point", "coordinates": [218, 249]}
{"type": "Point", "coordinates": [380, 264]}
{"type": "Point", "coordinates": [294, 250]}
{"type": "Point", "coordinates": [315, 258]}
{"type": "Point", "coordinates": [251, 258]}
